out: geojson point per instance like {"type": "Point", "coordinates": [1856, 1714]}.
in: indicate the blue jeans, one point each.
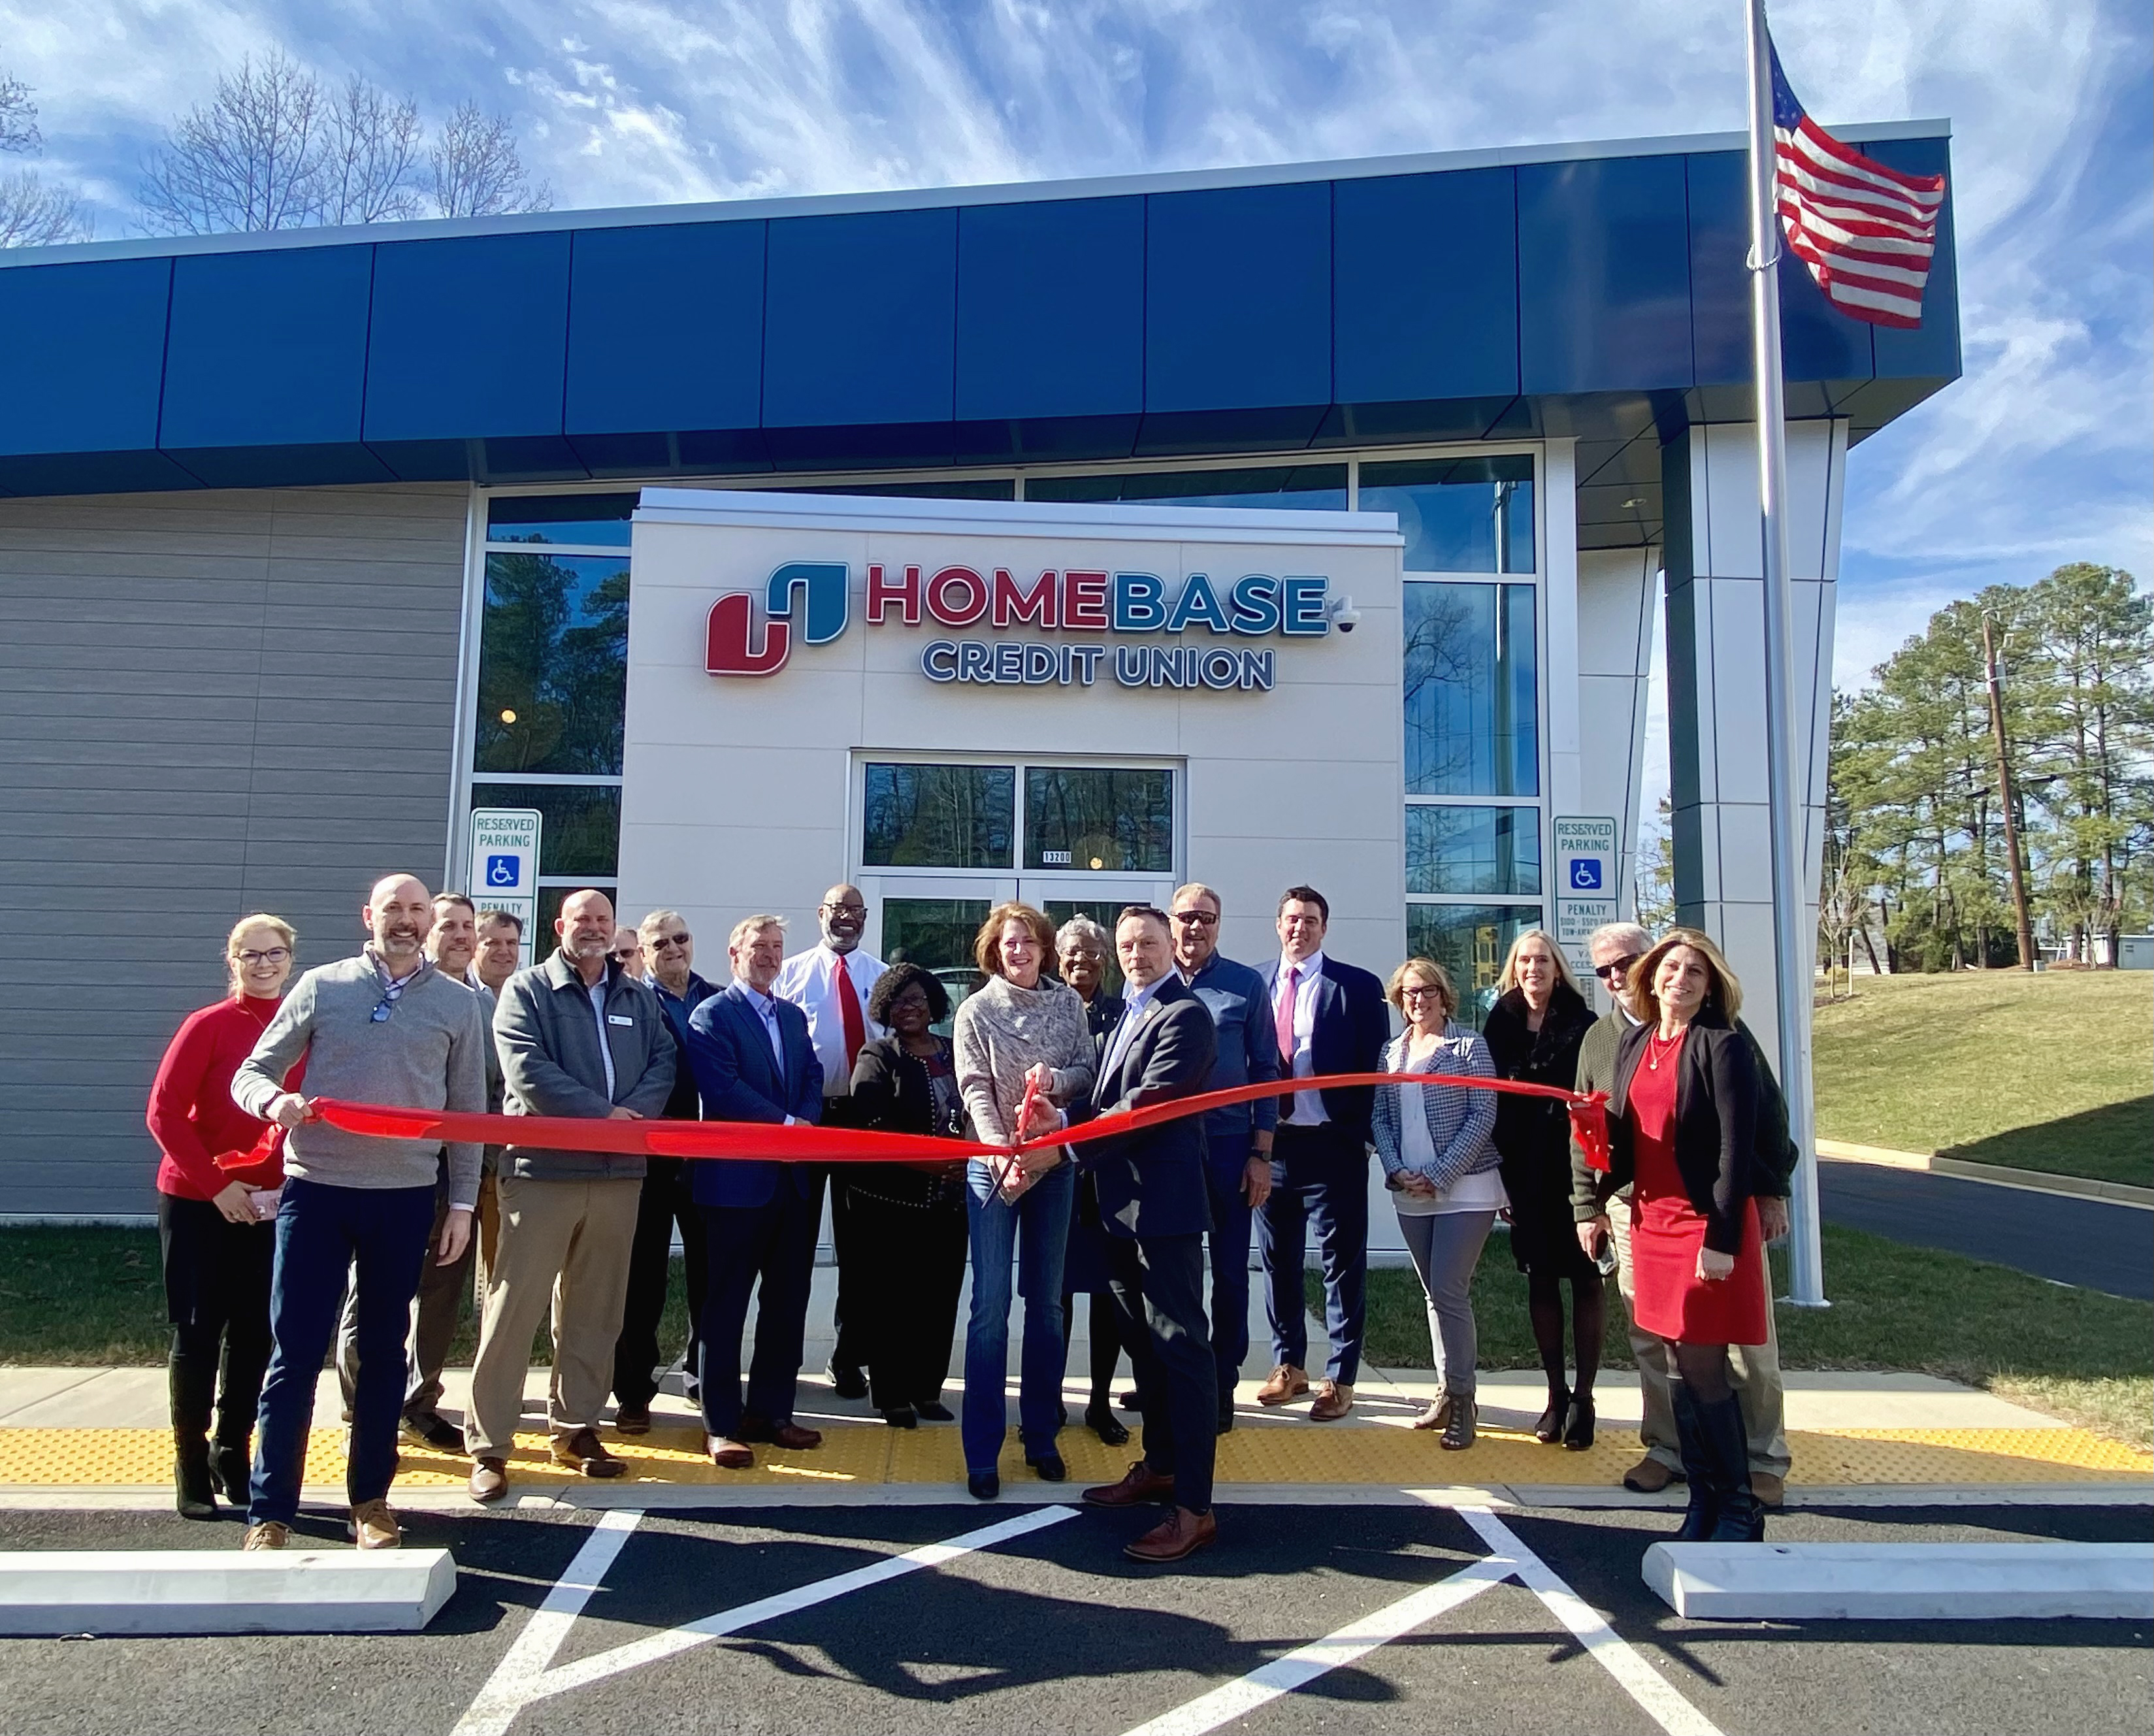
{"type": "Point", "coordinates": [1036, 1231]}
{"type": "Point", "coordinates": [321, 1232]}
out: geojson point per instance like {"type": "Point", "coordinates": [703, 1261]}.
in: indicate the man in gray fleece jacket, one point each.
{"type": "Point", "coordinates": [386, 1027]}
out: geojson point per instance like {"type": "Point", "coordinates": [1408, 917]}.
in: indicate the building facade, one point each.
{"type": "Point", "coordinates": [315, 544]}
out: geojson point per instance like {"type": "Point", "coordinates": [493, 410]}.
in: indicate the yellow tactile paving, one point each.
{"type": "Point", "coordinates": [1277, 1453]}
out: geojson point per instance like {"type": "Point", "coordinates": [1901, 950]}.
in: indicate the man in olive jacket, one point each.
{"type": "Point", "coordinates": [1753, 1370]}
{"type": "Point", "coordinates": [578, 1036]}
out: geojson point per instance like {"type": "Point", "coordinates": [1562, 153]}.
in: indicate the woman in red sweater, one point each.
{"type": "Point", "coordinates": [217, 1185]}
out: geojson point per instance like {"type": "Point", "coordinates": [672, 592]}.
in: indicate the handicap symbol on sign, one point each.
{"type": "Point", "coordinates": [504, 870]}
{"type": "Point", "coordinates": [1585, 874]}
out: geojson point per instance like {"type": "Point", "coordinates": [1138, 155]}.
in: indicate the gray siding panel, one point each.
{"type": "Point", "coordinates": [208, 706]}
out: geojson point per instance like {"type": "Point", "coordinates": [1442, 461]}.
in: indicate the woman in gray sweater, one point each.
{"type": "Point", "coordinates": [1019, 1029]}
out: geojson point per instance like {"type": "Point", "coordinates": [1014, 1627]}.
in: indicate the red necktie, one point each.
{"type": "Point", "coordinates": [849, 1014]}
{"type": "Point", "coordinates": [1283, 1019]}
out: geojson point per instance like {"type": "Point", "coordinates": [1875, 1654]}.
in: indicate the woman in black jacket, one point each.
{"type": "Point", "coordinates": [1682, 1127]}
{"type": "Point", "coordinates": [1533, 1033]}
{"type": "Point", "coordinates": [909, 1220]}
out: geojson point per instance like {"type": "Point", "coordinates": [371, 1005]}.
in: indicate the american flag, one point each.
{"type": "Point", "coordinates": [1865, 232]}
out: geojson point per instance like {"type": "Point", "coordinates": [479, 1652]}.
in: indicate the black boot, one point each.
{"type": "Point", "coordinates": [1699, 1469]}
{"type": "Point", "coordinates": [232, 1469]}
{"type": "Point", "coordinates": [191, 1481]}
{"type": "Point", "coordinates": [1742, 1518]}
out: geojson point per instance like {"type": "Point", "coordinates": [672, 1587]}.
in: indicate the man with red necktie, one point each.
{"type": "Point", "coordinates": [830, 982]}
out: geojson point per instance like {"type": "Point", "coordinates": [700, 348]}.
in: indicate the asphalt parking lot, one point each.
{"type": "Point", "coordinates": [804, 1619]}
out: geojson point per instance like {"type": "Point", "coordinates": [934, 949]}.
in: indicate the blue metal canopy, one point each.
{"type": "Point", "coordinates": [1593, 290]}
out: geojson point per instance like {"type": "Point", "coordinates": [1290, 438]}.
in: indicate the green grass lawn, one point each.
{"type": "Point", "coordinates": [2075, 1353]}
{"type": "Point", "coordinates": [2050, 1071]}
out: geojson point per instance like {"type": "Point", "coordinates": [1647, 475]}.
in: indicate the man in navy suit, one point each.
{"type": "Point", "coordinates": [1151, 1188]}
{"type": "Point", "coordinates": [1329, 1017]}
{"type": "Point", "coordinates": [753, 1061]}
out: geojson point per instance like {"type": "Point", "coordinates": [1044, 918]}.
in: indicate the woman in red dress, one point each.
{"type": "Point", "coordinates": [1683, 1120]}
{"type": "Point", "coordinates": [217, 1184]}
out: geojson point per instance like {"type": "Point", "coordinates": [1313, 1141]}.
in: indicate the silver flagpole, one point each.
{"type": "Point", "coordinates": [1793, 934]}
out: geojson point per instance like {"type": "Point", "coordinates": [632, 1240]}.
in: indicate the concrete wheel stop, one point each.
{"type": "Point", "coordinates": [1903, 1581]}
{"type": "Point", "coordinates": [222, 1591]}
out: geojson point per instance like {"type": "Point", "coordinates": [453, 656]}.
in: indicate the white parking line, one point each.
{"type": "Point", "coordinates": [510, 1690]}
{"type": "Point", "coordinates": [1284, 1675]}
{"type": "Point", "coordinates": [1638, 1679]}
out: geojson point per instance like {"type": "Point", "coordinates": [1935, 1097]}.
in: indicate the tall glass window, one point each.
{"type": "Point", "coordinates": [1473, 720]}
{"type": "Point", "coordinates": [1095, 818]}
{"type": "Point", "coordinates": [1475, 852]}
{"type": "Point", "coordinates": [1303, 486]}
{"type": "Point", "coordinates": [940, 816]}
{"type": "Point", "coordinates": [1458, 515]}
{"type": "Point", "coordinates": [1469, 941]}
{"type": "Point", "coordinates": [553, 673]}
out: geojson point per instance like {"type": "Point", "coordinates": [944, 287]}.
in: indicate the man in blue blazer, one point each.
{"type": "Point", "coordinates": [1328, 1017]}
{"type": "Point", "coordinates": [1237, 1172]}
{"type": "Point", "coordinates": [753, 1061]}
{"type": "Point", "coordinates": [1154, 1208]}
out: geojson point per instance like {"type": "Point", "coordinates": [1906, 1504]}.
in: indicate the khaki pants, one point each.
{"type": "Point", "coordinates": [566, 1244]}
{"type": "Point", "coordinates": [1753, 1371]}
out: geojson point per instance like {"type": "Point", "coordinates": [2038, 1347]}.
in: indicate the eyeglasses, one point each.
{"type": "Point", "coordinates": [1196, 918]}
{"type": "Point", "coordinates": [272, 954]}
{"type": "Point", "coordinates": [671, 940]}
{"type": "Point", "coordinates": [1419, 993]}
{"type": "Point", "coordinates": [844, 910]}
{"type": "Point", "coordinates": [1616, 968]}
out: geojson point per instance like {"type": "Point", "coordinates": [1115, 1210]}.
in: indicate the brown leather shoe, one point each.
{"type": "Point", "coordinates": [790, 1435]}
{"type": "Point", "coordinates": [632, 1420]}
{"type": "Point", "coordinates": [1771, 1491]}
{"type": "Point", "coordinates": [1287, 1384]}
{"type": "Point", "coordinates": [1437, 1415]}
{"type": "Point", "coordinates": [269, 1534]}
{"type": "Point", "coordinates": [1649, 1477]}
{"type": "Point", "coordinates": [585, 1454]}
{"type": "Point", "coordinates": [1334, 1400]}
{"type": "Point", "coordinates": [489, 1480]}
{"type": "Point", "coordinates": [728, 1455]}
{"type": "Point", "coordinates": [1140, 1485]}
{"type": "Point", "coordinates": [373, 1526]}
{"type": "Point", "coordinates": [1180, 1533]}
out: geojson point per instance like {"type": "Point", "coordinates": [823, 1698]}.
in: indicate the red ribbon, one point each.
{"type": "Point", "coordinates": [769, 1140]}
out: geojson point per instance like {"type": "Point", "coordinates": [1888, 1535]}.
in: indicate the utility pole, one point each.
{"type": "Point", "coordinates": [2006, 799]}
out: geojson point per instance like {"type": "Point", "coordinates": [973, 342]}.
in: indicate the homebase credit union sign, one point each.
{"type": "Point", "coordinates": [1077, 627]}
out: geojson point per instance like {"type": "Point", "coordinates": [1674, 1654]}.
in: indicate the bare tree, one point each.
{"type": "Point", "coordinates": [19, 116]}
{"type": "Point", "coordinates": [477, 171]}
{"type": "Point", "coordinates": [369, 156]}
{"type": "Point", "coordinates": [32, 214]}
{"type": "Point", "coordinates": [249, 162]}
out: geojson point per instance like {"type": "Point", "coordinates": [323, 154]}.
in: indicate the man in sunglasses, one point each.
{"type": "Point", "coordinates": [385, 1027]}
{"type": "Point", "coordinates": [1238, 1173]}
{"type": "Point", "coordinates": [1753, 1370]}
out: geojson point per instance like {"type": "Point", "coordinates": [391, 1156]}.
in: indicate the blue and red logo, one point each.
{"type": "Point", "coordinates": [823, 589]}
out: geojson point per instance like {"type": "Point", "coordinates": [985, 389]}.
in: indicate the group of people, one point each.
{"type": "Point", "coordinates": [376, 1241]}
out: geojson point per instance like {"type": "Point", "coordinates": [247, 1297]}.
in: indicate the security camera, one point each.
{"type": "Point", "coordinates": [1344, 614]}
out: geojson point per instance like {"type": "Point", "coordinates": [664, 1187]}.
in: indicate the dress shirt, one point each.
{"type": "Point", "coordinates": [1308, 1105]}
{"type": "Point", "coordinates": [597, 992]}
{"type": "Point", "coordinates": [1135, 1000]}
{"type": "Point", "coordinates": [809, 980]}
{"type": "Point", "coordinates": [766, 1009]}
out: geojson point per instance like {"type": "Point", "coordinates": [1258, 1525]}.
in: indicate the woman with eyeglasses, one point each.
{"type": "Point", "coordinates": [219, 1171]}
{"type": "Point", "coordinates": [1534, 1032]}
{"type": "Point", "coordinates": [1440, 1164]}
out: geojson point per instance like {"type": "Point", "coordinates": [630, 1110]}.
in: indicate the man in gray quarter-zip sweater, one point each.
{"type": "Point", "coordinates": [578, 1037]}
{"type": "Point", "coordinates": [386, 1027]}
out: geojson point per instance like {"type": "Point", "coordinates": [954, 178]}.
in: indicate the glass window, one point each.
{"type": "Point", "coordinates": [1302, 487]}
{"type": "Point", "coordinates": [940, 816]}
{"type": "Point", "coordinates": [970, 489]}
{"type": "Point", "coordinates": [1472, 725]}
{"type": "Point", "coordinates": [1469, 941]}
{"type": "Point", "coordinates": [1478, 850]}
{"type": "Point", "coordinates": [936, 934]}
{"type": "Point", "coordinates": [581, 832]}
{"type": "Point", "coordinates": [553, 673]}
{"type": "Point", "coordinates": [1103, 911]}
{"type": "Point", "coordinates": [1095, 819]}
{"type": "Point", "coordinates": [1458, 515]}
{"type": "Point", "coordinates": [601, 519]}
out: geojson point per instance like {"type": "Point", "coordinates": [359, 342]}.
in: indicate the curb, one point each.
{"type": "Point", "coordinates": [1997, 1175]}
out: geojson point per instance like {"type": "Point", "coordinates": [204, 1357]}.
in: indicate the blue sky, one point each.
{"type": "Point", "coordinates": [2042, 454]}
